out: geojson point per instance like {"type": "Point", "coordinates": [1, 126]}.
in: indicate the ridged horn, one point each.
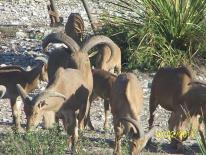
{"type": "Point", "coordinates": [97, 40]}
{"type": "Point", "coordinates": [197, 82]}
{"type": "Point", "coordinates": [23, 93]}
{"type": "Point", "coordinates": [60, 37]}
{"type": "Point", "coordinates": [55, 94]}
{"type": "Point", "coordinates": [135, 123]}
{"type": "Point", "coordinates": [43, 59]}
{"type": "Point", "coordinates": [3, 90]}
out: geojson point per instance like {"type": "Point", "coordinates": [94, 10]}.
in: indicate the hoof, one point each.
{"type": "Point", "coordinates": [18, 129]}
{"type": "Point", "coordinates": [149, 142]}
{"type": "Point", "coordinates": [106, 126]}
{"type": "Point", "coordinates": [180, 147]}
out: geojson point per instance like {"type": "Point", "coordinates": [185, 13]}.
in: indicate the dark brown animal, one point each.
{"type": "Point", "coordinates": [168, 85]}
{"type": "Point", "coordinates": [75, 27]}
{"type": "Point", "coordinates": [189, 118]}
{"type": "Point", "coordinates": [12, 75]}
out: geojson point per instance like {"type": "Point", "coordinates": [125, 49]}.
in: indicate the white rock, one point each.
{"type": "Point", "coordinates": [4, 47]}
{"type": "Point", "coordinates": [3, 65]}
{"type": "Point", "coordinates": [25, 18]}
{"type": "Point", "coordinates": [21, 34]}
{"type": "Point", "coordinates": [34, 13]}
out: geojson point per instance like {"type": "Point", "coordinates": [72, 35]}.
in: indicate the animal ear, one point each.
{"type": "Point", "coordinates": [42, 104]}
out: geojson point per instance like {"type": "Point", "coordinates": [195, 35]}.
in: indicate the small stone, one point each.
{"type": "Point", "coordinates": [3, 65]}
{"type": "Point", "coordinates": [34, 13]}
{"type": "Point", "coordinates": [21, 34]}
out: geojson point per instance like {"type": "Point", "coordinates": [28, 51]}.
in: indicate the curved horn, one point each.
{"type": "Point", "coordinates": [23, 93]}
{"type": "Point", "coordinates": [2, 90]}
{"type": "Point", "coordinates": [100, 39]}
{"type": "Point", "coordinates": [60, 37]}
{"type": "Point", "coordinates": [93, 54]}
{"type": "Point", "coordinates": [55, 94]}
{"type": "Point", "coordinates": [135, 123]}
{"type": "Point", "coordinates": [197, 82]}
{"type": "Point", "coordinates": [43, 59]}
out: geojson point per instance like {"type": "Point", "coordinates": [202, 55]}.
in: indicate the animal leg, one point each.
{"type": "Point", "coordinates": [81, 119]}
{"type": "Point", "coordinates": [118, 135]}
{"type": "Point", "coordinates": [75, 133]}
{"type": "Point", "coordinates": [152, 108]}
{"type": "Point", "coordinates": [16, 112]}
{"type": "Point", "coordinates": [176, 141]}
{"type": "Point", "coordinates": [83, 114]}
{"type": "Point", "coordinates": [106, 111]}
{"type": "Point", "coordinates": [90, 122]}
{"type": "Point", "coordinates": [71, 124]}
{"type": "Point", "coordinates": [92, 97]}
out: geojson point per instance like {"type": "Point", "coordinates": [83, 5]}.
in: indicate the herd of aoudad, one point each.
{"type": "Point", "coordinates": [73, 83]}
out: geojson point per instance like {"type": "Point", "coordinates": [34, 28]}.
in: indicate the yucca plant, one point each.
{"type": "Point", "coordinates": [201, 144]}
{"type": "Point", "coordinates": [175, 20]}
{"type": "Point", "coordinates": [166, 28]}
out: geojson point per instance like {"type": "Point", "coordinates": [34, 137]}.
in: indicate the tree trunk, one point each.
{"type": "Point", "coordinates": [89, 16]}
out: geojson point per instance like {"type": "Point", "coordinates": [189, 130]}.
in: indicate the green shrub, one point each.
{"type": "Point", "coordinates": [202, 145]}
{"type": "Point", "coordinates": [158, 33]}
{"type": "Point", "coordinates": [34, 143]}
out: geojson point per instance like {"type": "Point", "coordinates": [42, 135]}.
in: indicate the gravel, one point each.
{"type": "Point", "coordinates": [20, 45]}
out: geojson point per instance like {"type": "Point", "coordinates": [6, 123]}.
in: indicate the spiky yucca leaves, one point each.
{"type": "Point", "coordinates": [175, 20]}
{"type": "Point", "coordinates": [169, 31]}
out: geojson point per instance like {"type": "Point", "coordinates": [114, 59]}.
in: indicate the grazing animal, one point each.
{"type": "Point", "coordinates": [102, 86]}
{"type": "Point", "coordinates": [12, 75]}
{"type": "Point", "coordinates": [168, 85]}
{"type": "Point", "coordinates": [190, 117]}
{"type": "Point", "coordinates": [69, 91]}
{"type": "Point", "coordinates": [126, 105]}
{"type": "Point", "coordinates": [75, 27]}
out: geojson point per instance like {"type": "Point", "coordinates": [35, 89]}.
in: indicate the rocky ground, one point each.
{"type": "Point", "coordinates": [23, 23]}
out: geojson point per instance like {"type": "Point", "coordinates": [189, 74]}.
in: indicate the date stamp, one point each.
{"type": "Point", "coordinates": [172, 134]}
